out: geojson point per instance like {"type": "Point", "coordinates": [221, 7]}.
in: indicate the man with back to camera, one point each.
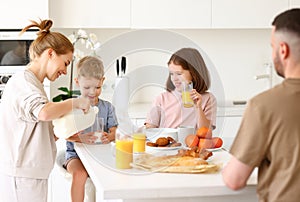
{"type": "Point", "coordinates": [269, 135]}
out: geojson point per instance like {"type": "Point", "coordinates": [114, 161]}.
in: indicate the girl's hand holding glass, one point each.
{"type": "Point", "coordinates": [196, 97]}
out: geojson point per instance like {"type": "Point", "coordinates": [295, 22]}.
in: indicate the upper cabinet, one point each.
{"type": "Point", "coordinates": [295, 3]}
{"type": "Point", "coordinates": [90, 13]}
{"type": "Point", "coordinates": [193, 14]}
{"type": "Point", "coordinates": [171, 14]}
{"type": "Point", "coordinates": [140, 14]}
{"type": "Point", "coordinates": [246, 13]}
{"type": "Point", "coordinates": [16, 14]}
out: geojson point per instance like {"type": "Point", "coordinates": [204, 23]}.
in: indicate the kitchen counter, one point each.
{"type": "Point", "coordinates": [140, 110]}
{"type": "Point", "coordinates": [139, 185]}
{"type": "Point", "coordinates": [231, 111]}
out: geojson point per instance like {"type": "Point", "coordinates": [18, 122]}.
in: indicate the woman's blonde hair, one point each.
{"type": "Point", "coordinates": [47, 39]}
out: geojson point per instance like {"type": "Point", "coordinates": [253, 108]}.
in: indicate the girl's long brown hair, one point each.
{"type": "Point", "coordinates": [190, 59]}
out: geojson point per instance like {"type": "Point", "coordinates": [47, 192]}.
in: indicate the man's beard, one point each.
{"type": "Point", "coordinates": [278, 65]}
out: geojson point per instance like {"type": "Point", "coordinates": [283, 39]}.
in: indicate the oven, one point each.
{"type": "Point", "coordinates": [14, 53]}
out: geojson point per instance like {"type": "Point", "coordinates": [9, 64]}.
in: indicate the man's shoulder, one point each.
{"type": "Point", "coordinates": [269, 94]}
{"type": "Point", "coordinates": [268, 100]}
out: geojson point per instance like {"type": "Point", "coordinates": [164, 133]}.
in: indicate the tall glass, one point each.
{"type": "Point", "coordinates": [98, 128]}
{"type": "Point", "coordinates": [139, 142]}
{"type": "Point", "coordinates": [124, 149]}
{"type": "Point", "coordinates": [186, 96]}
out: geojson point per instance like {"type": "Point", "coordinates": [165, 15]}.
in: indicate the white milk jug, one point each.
{"type": "Point", "coordinates": [74, 122]}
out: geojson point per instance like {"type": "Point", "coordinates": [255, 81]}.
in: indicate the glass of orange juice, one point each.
{"type": "Point", "coordinates": [124, 148]}
{"type": "Point", "coordinates": [139, 142]}
{"type": "Point", "coordinates": [185, 94]}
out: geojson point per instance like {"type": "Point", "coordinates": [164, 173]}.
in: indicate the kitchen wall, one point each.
{"type": "Point", "coordinates": [237, 54]}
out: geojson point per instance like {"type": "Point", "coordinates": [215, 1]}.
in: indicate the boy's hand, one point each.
{"type": "Point", "coordinates": [105, 138]}
{"type": "Point", "coordinates": [87, 138]}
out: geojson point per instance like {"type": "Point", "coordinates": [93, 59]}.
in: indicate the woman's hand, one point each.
{"type": "Point", "coordinates": [197, 98]}
{"type": "Point", "coordinates": [82, 103]}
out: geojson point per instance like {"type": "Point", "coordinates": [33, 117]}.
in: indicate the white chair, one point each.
{"type": "Point", "coordinates": [90, 193]}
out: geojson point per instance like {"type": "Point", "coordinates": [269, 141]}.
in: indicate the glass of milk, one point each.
{"type": "Point", "coordinates": [98, 128]}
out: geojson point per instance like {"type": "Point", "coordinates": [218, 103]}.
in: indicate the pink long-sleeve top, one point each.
{"type": "Point", "coordinates": [168, 111]}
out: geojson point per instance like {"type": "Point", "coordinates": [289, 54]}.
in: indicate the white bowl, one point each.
{"type": "Point", "coordinates": [154, 133]}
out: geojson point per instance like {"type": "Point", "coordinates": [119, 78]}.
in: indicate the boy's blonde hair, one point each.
{"type": "Point", "coordinates": [90, 67]}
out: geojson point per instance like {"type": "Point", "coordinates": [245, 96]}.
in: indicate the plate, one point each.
{"type": "Point", "coordinates": [214, 149]}
{"type": "Point", "coordinates": [154, 133]}
{"type": "Point", "coordinates": [174, 164]}
{"type": "Point", "coordinates": [163, 148]}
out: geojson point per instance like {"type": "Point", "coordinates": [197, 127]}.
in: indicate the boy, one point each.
{"type": "Point", "coordinates": [90, 77]}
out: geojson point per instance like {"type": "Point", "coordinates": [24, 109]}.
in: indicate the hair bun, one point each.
{"type": "Point", "coordinates": [45, 26]}
{"type": "Point", "coordinates": [45, 31]}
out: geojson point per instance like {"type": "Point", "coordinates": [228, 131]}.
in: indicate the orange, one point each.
{"type": "Point", "coordinates": [204, 132]}
{"type": "Point", "coordinates": [205, 143]}
{"type": "Point", "coordinates": [217, 142]}
{"type": "Point", "coordinates": [191, 140]}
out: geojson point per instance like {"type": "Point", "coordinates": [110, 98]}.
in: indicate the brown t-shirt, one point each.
{"type": "Point", "coordinates": [269, 138]}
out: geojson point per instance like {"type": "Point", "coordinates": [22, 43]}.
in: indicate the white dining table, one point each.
{"type": "Point", "coordinates": [138, 185]}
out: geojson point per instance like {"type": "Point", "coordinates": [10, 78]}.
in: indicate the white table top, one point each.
{"type": "Point", "coordinates": [134, 184]}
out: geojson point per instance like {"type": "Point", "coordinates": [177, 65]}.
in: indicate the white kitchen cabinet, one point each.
{"type": "Point", "coordinates": [246, 13]}
{"type": "Point", "coordinates": [227, 128]}
{"type": "Point", "coordinates": [58, 185]}
{"type": "Point", "coordinates": [170, 14]}
{"type": "Point", "coordinates": [228, 122]}
{"type": "Point", "coordinates": [90, 13]}
{"type": "Point", "coordinates": [16, 14]}
{"type": "Point", "coordinates": [294, 3]}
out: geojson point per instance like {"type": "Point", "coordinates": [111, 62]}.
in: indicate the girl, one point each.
{"type": "Point", "coordinates": [186, 65]}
